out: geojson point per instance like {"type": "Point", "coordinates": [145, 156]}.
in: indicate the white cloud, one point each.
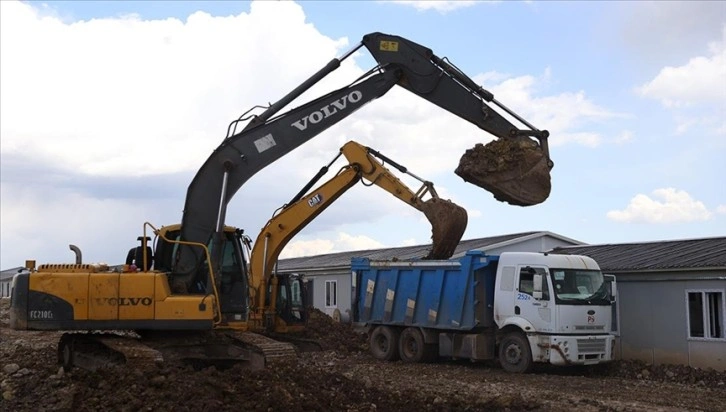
{"type": "Point", "coordinates": [666, 205]}
{"type": "Point", "coordinates": [564, 114]}
{"type": "Point", "coordinates": [624, 137]}
{"type": "Point", "coordinates": [124, 95]}
{"type": "Point", "coordinates": [410, 242]}
{"type": "Point", "coordinates": [440, 6]}
{"type": "Point", "coordinates": [701, 80]}
{"type": "Point", "coordinates": [104, 229]}
{"type": "Point", "coordinates": [127, 96]}
{"type": "Point", "coordinates": [344, 242]}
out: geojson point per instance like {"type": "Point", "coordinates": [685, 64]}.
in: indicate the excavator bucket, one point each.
{"type": "Point", "coordinates": [514, 170]}
{"type": "Point", "coordinates": [448, 222]}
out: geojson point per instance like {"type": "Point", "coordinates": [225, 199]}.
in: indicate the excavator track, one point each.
{"type": "Point", "coordinates": [135, 352]}
{"type": "Point", "coordinates": [221, 349]}
{"type": "Point", "coordinates": [271, 350]}
{"type": "Point", "coordinates": [94, 351]}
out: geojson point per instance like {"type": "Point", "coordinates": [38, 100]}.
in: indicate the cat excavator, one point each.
{"type": "Point", "coordinates": [196, 276]}
{"type": "Point", "coordinates": [364, 164]}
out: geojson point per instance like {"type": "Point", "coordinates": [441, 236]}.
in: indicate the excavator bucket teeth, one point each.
{"type": "Point", "coordinates": [515, 171]}
{"type": "Point", "coordinates": [448, 222]}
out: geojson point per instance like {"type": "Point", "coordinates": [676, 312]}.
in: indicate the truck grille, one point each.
{"type": "Point", "coordinates": [589, 327]}
{"type": "Point", "coordinates": [591, 345]}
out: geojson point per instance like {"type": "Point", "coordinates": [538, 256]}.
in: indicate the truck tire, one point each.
{"type": "Point", "coordinates": [515, 354]}
{"type": "Point", "coordinates": [412, 347]}
{"type": "Point", "coordinates": [384, 343]}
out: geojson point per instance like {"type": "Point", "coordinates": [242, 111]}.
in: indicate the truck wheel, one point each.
{"type": "Point", "coordinates": [65, 353]}
{"type": "Point", "coordinates": [412, 347]}
{"type": "Point", "coordinates": [515, 354]}
{"type": "Point", "coordinates": [384, 343]}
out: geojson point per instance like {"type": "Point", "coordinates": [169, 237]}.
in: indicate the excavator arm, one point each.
{"type": "Point", "coordinates": [304, 207]}
{"type": "Point", "coordinates": [269, 135]}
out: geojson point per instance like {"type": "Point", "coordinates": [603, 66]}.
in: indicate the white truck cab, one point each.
{"type": "Point", "coordinates": [560, 302]}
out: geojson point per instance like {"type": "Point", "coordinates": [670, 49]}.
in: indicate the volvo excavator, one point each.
{"type": "Point", "coordinates": [248, 298]}
{"type": "Point", "coordinates": [196, 277]}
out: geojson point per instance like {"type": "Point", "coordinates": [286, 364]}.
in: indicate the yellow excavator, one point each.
{"type": "Point", "coordinates": [365, 164]}
{"type": "Point", "coordinates": [196, 278]}
{"type": "Point", "coordinates": [242, 298]}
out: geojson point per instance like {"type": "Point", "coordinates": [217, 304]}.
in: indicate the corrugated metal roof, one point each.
{"type": "Point", "coordinates": [659, 255]}
{"type": "Point", "coordinates": [9, 273]}
{"type": "Point", "coordinates": [331, 260]}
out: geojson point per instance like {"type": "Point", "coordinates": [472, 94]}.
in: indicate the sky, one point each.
{"type": "Point", "coordinates": [107, 110]}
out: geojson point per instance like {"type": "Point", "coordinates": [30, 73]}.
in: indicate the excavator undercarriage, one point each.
{"type": "Point", "coordinates": [200, 349]}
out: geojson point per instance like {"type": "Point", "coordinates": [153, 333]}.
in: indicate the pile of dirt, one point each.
{"type": "Point", "coordinates": [174, 387]}
{"type": "Point", "coordinates": [448, 223]}
{"type": "Point", "coordinates": [632, 369]}
{"type": "Point", "coordinates": [514, 170]}
{"type": "Point", "coordinates": [332, 335]}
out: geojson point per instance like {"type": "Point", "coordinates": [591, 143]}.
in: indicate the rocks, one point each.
{"type": "Point", "coordinates": [157, 381]}
{"type": "Point", "coordinates": [11, 368]}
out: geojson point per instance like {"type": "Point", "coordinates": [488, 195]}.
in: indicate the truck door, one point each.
{"type": "Point", "coordinates": [613, 289]}
{"type": "Point", "coordinates": [537, 311]}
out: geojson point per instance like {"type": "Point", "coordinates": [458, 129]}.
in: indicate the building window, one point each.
{"type": "Point", "coordinates": [331, 293]}
{"type": "Point", "coordinates": [705, 314]}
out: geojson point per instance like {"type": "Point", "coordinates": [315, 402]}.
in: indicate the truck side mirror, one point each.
{"type": "Point", "coordinates": [537, 286]}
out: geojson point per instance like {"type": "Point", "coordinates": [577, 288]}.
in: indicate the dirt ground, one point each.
{"type": "Point", "coordinates": [342, 377]}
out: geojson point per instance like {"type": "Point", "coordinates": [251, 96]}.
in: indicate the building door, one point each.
{"type": "Point", "coordinates": [309, 293]}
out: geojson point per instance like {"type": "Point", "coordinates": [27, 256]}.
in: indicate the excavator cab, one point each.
{"type": "Point", "coordinates": [291, 303]}
{"type": "Point", "coordinates": [231, 277]}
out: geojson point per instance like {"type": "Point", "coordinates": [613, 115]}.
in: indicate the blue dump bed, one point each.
{"type": "Point", "coordinates": [456, 294]}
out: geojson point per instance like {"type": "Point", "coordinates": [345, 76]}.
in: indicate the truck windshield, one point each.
{"type": "Point", "coordinates": [580, 287]}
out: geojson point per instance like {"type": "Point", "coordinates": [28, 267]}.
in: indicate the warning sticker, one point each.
{"type": "Point", "coordinates": [264, 143]}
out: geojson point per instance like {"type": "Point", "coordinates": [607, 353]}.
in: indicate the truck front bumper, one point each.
{"type": "Point", "coordinates": [572, 350]}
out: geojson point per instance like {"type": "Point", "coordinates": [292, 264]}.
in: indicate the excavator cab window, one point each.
{"type": "Point", "coordinates": [290, 303]}
{"type": "Point", "coordinates": [233, 278]}
{"type": "Point", "coordinates": [166, 251]}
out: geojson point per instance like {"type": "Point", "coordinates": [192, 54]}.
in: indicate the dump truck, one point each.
{"type": "Point", "coordinates": [518, 308]}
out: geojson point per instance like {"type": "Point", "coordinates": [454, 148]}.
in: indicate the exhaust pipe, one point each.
{"type": "Point", "coordinates": [77, 251]}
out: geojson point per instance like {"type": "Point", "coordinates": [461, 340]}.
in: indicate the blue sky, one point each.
{"type": "Point", "coordinates": [107, 109]}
